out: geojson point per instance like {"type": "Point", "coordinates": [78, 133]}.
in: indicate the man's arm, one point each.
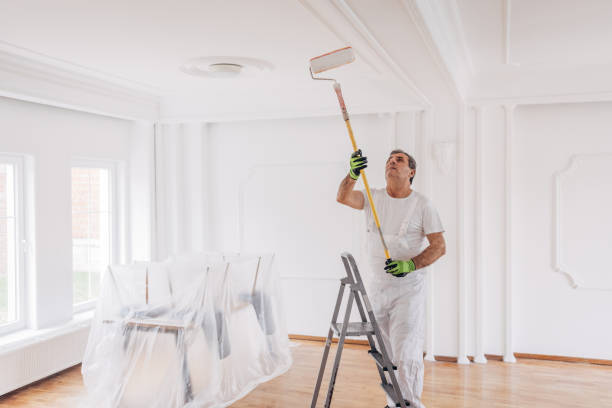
{"type": "Point", "coordinates": [347, 195]}
{"type": "Point", "coordinates": [436, 248]}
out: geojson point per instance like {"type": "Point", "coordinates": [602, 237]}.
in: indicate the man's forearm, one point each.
{"type": "Point", "coordinates": [346, 187]}
{"type": "Point", "coordinates": [428, 256]}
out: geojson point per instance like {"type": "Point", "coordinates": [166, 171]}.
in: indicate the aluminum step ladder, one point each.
{"type": "Point", "coordinates": [366, 327]}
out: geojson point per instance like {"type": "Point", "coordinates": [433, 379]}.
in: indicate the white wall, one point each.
{"type": "Point", "coordinates": [548, 315]}
{"type": "Point", "coordinates": [52, 137]}
{"type": "Point", "coordinates": [271, 184]}
{"type": "Point", "coordinates": [272, 187]}
{"type": "Point", "coordinates": [552, 317]}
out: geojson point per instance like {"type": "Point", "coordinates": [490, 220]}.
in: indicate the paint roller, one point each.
{"type": "Point", "coordinates": [325, 62]}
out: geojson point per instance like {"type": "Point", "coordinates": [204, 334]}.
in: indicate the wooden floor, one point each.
{"type": "Point", "coordinates": [527, 383]}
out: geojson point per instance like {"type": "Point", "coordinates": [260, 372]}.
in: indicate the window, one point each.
{"type": "Point", "coordinates": [11, 235]}
{"type": "Point", "coordinates": [92, 229]}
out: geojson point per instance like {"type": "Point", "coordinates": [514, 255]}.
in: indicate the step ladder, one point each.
{"type": "Point", "coordinates": [366, 327]}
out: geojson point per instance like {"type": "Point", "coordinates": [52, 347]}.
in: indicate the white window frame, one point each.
{"type": "Point", "coordinates": [20, 242]}
{"type": "Point", "coordinates": [112, 166]}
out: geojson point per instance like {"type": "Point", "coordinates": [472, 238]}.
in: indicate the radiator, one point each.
{"type": "Point", "coordinates": [41, 358]}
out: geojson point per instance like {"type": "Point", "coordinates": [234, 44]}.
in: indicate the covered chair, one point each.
{"type": "Point", "coordinates": [197, 330]}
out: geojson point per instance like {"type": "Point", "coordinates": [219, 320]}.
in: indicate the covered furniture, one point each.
{"type": "Point", "coordinates": [199, 330]}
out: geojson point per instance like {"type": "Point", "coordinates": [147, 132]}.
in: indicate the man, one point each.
{"type": "Point", "coordinates": [413, 234]}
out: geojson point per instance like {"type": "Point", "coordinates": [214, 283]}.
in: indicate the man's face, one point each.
{"type": "Point", "coordinates": [397, 166]}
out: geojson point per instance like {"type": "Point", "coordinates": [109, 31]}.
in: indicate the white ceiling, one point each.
{"type": "Point", "coordinates": [409, 52]}
{"type": "Point", "coordinates": [143, 43]}
{"type": "Point", "coordinates": [561, 32]}
{"type": "Point", "coordinates": [553, 46]}
{"type": "Point", "coordinates": [146, 41]}
{"type": "Point", "coordinates": [542, 32]}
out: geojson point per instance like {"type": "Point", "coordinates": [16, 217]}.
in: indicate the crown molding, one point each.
{"type": "Point", "coordinates": [287, 114]}
{"type": "Point", "coordinates": [32, 77]}
{"type": "Point", "coordinates": [586, 97]}
{"type": "Point", "coordinates": [442, 31]}
{"type": "Point", "coordinates": [344, 23]}
{"type": "Point", "coordinates": [325, 18]}
{"type": "Point", "coordinates": [358, 25]}
{"type": "Point", "coordinates": [507, 21]}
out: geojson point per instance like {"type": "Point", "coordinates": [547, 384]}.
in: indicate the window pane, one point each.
{"type": "Point", "coordinates": [91, 230]}
{"type": "Point", "coordinates": [8, 239]}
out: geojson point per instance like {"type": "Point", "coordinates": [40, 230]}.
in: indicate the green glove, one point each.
{"type": "Point", "coordinates": [399, 269]}
{"type": "Point", "coordinates": [358, 163]}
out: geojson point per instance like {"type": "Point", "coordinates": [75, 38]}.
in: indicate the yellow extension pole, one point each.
{"type": "Point", "coordinates": [363, 175]}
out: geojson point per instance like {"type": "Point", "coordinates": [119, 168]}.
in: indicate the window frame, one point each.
{"type": "Point", "coordinates": [18, 163]}
{"type": "Point", "coordinates": [113, 167]}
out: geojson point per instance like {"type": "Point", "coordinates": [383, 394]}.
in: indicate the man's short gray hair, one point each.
{"type": "Point", "coordinates": [411, 161]}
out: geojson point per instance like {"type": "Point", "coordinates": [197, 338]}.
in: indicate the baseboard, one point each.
{"type": "Point", "coordinates": [564, 358]}
{"type": "Point", "coordinates": [495, 357]}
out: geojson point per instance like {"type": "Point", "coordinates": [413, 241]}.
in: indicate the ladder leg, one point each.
{"type": "Point", "coordinates": [364, 319]}
{"type": "Point", "coordinates": [354, 271]}
{"type": "Point", "coordinates": [334, 373]}
{"type": "Point", "coordinates": [328, 342]}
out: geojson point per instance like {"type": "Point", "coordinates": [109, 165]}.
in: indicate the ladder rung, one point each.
{"type": "Point", "coordinates": [389, 390]}
{"type": "Point", "coordinates": [354, 328]}
{"type": "Point", "coordinates": [379, 360]}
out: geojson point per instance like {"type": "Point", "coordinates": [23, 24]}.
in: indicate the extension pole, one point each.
{"type": "Point", "coordinates": [363, 175]}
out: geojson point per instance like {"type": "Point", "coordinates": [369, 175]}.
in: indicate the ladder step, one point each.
{"type": "Point", "coordinates": [379, 360]}
{"type": "Point", "coordinates": [354, 329]}
{"type": "Point", "coordinates": [389, 390]}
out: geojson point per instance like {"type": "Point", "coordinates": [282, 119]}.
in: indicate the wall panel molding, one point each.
{"type": "Point", "coordinates": [559, 263]}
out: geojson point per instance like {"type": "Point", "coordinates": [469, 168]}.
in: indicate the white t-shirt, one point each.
{"type": "Point", "coordinates": [405, 222]}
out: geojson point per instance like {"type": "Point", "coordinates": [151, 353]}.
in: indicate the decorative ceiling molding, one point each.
{"type": "Point", "coordinates": [57, 65]}
{"type": "Point", "coordinates": [363, 41]}
{"type": "Point", "coordinates": [543, 99]}
{"type": "Point", "coordinates": [507, 16]}
{"type": "Point", "coordinates": [459, 36]}
{"type": "Point", "coordinates": [378, 48]}
{"type": "Point", "coordinates": [288, 114]}
{"type": "Point", "coordinates": [31, 77]}
{"type": "Point", "coordinates": [442, 31]}
{"type": "Point", "coordinates": [332, 29]}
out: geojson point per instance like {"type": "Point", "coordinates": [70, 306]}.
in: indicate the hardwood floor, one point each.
{"type": "Point", "coordinates": [528, 383]}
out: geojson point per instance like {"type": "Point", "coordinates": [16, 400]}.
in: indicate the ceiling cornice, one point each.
{"type": "Point", "coordinates": [379, 49]}
{"type": "Point", "coordinates": [289, 114]}
{"type": "Point", "coordinates": [36, 78]}
{"type": "Point", "coordinates": [319, 15]}
{"type": "Point", "coordinates": [586, 97]}
{"type": "Point", "coordinates": [355, 33]}
{"type": "Point", "coordinates": [507, 20]}
{"type": "Point", "coordinates": [442, 32]}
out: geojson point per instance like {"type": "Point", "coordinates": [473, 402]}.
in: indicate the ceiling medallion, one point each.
{"type": "Point", "coordinates": [226, 67]}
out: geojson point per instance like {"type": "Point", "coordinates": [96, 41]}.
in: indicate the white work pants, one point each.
{"type": "Point", "coordinates": [400, 313]}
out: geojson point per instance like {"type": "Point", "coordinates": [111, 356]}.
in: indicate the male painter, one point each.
{"type": "Point", "coordinates": [413, 234]}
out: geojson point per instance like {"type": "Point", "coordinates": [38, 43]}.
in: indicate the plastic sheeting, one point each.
{"type": "Point", "coordinates": [193, 331]}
